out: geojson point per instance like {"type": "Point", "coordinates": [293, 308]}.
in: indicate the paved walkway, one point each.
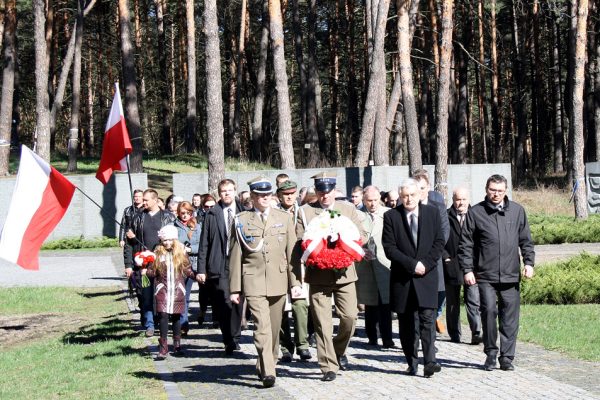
{"type": "Point", "coordinates": [206, 372]}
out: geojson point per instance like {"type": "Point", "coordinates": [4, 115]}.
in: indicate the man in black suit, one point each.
{"type": "Point", "coordinates": [213, 254]}
{"type": "Point", "coordinates": [413, 240]}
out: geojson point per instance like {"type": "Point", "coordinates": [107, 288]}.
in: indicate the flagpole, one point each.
{"type": "Point", "coordinates": [130, 184]}
{"type": "Point", "coordinates": [110, 217]}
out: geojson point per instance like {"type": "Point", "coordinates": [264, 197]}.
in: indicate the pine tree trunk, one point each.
{"type": "Point", "coordinates": [42, 109]}
{"type": "Point", "coordinates": [73, 145]}
{"type": "Point", "coordinates": [259, 98]}
{"type": "Point", "coordinates": [240, 57]}
{"type": "Point", "coordinates": [313, 153]}
{"type": "Point", "coordinates": [163, 82]}
{"type": "Point", "coordinates": [8, 82]}
{"type": "Point", "coordinates": [408, 99]}
{"type": "Point", "coordinates": [481, 101]}
{"type": "Point", "coordinates": [335, 149]}
{"type": "Point", "coordinates": [463, 90]}
{"type": "Point", "coordinates": [519, 107]}
{"type": "Point", "coordinates": [131, 109]}
{"type": "Point", "coordinates": [441, 164]}
{"type": "Point", "coordinates": [89, 136]}
{"type": "Point", "coordinates": [352, 127]}
{"type": "Point", "coordinates": [190, 126]}
{"type": "Point", "coordinates": [376, 85]}
{"type": "Point", "coordinates": [496, 125]}
{"type": "Point", "coordinates": [286, 149]}
{"type": "Point", "coordinates": [214, 99]}
{"type": "Point", "coordinates": [577, 165]}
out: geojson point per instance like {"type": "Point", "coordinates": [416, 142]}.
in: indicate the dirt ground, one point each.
{"type": "Point", "coordinates": [16, 330]}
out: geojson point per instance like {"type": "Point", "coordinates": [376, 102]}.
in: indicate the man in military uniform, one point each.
{"type": "Point", "coordinates": [260, 269]}
{"type": "Point", "coordinates": [287, 192]}
{"type": "Point", "coordinates": [327, 283]}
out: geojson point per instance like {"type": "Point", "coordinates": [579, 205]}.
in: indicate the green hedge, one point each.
{"type": "Point", "coordinates": [575, 281]}
{"type": "Point", "coordinates": [555, 229]}
{"type": "Point", "coordinates": [80, 243]}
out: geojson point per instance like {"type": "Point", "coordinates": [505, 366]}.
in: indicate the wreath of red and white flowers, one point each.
{"type": "Point", "coordinates": [331, 241]}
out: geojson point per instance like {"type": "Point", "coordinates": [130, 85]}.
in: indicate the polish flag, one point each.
{"type": "Point", "coordinates": [39, 200]}
{"type": "Point", "coordinates": [116, 145]}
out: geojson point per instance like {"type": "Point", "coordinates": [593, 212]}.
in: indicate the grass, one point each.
{"type": "Point", "coordinates": [80, 243]}
{"type": "Point", "coordinates": [570, 329]}
{"type": "Point", "coordinates": [573, 329]}
{"type": "Point", "coordinates": [545, 200]}
{"type": "Point", "coordinates": [100, 357]}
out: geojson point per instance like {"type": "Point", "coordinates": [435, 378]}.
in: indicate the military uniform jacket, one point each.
{"type": "Point", "coordinates": [262, 270]}
{"type": "Point", "coordinates": [328, 277]}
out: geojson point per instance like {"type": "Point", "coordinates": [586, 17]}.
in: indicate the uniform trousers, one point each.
{"type": "Point", "coordinates": [300, 314]}
{"type": "Point", "coordinates": [506, 311]}
{"type": "Point", "coordinates": [471, 297]}
{"type": "Point", "coordinates": [329, 347]}
{"type": "Point", "coordinates": [267, 312]}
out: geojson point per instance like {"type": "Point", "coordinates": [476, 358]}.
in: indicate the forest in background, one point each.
{"type": "Point", "coordinates": [306, 83]}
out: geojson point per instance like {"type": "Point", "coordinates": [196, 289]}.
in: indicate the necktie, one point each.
{"type": "Point", "coordinates": [263, 217]}
{"type": "Point", "coordinates": [229, 223]}
{"type": "Point", "coordinates": [461, 219]}
{"type": "Point", "coordinates": [414, 229]}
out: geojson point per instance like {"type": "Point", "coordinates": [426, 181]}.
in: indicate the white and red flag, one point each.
{"type": "Point", "coordinates": [116, 145]}
{"type": "Point", "coordinates": [39, 200]}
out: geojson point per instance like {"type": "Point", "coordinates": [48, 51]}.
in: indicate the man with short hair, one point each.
{"type": "Point", "coordinates": [391, 199]}
{"type": "Point", "coordinates": [287, 194]}
{"type": "Point", "coordinates": [260, 268]}
{"type": "Point", "coordinates": [128, 213]}
{"type": "Point", "coordinates": [325, 284]}
{"type": "Point", "coordinates": [496, 230]}
{"type": "Point", "coordinates": [197, 204]}
{"type": "Point", "coordinates": [373, 285]}
{"type": "Point", "coordinates": [213, 253]}
{"type": "Point", "coordinates": [356, 197]}
{"type": "Point", "coordinates": [429, 197]}
{"type": "Point", "coordinates": [453, 276]}
{"type": "Point", "coordinates": [413, 240]}
{"type": "Point", "coordinates": [144, 236]}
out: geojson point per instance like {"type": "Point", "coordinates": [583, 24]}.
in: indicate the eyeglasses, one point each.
{"type": "Point", "coordinates": [499, 191]}
{"type": "Point", "coordinates": [207, 207]}
{"type": "Point", "coordinates": [186, 213]}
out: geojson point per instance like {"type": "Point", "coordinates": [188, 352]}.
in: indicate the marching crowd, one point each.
{"type": "Point", "coordinates": [258, 254]}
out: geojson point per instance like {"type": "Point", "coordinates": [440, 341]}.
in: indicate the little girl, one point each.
{"type": "Point", "coordinates": [169, 269]}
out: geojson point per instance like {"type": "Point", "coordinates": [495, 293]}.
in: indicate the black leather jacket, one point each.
{"type": "Point", "coordinates": [128, 215]}
{"type": "Point", "coordinates": [137, 226]}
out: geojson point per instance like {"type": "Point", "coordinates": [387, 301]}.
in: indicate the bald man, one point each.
{"type": "Point", "coordinates": [453, 276]}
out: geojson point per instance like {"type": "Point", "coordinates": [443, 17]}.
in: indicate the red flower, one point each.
{"type": "Point", "coordinates": [331, 256]}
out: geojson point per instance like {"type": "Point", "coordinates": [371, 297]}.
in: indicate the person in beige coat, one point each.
{"type": "Point", "coordinates": [327, 283]}
{"type": "Point", "coordinates": [373, 285]}
{"type": "Point", "coordinates": [260, 269]}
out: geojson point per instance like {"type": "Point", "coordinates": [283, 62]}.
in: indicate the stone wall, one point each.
{"type": "Point", "coordinates": [473, 176]}
{"type": "Point", "coordinates": [83, 217]}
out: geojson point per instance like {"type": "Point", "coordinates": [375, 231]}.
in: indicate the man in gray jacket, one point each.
{"type": "Point", "coordinates": [496, 229]}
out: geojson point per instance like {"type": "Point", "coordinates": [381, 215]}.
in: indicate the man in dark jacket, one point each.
{"type": "Point", "coordinates": [412, 239]}
{"type": "Point", "coordinates": [144, 228]}
{"type": "Point", "coordinates": [213, 255]}
{"type": "Point", "coordinates": [495, 231]}
{"type": "Point", "coordinates": [453, 276]}
{"type": "Point", "coordinates": [128, 214]}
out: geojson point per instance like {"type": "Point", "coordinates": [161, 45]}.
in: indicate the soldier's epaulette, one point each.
{"type": "Point", "coordinates": [278, 210]}
{"type": "Point", "coordinates": [244, 212]}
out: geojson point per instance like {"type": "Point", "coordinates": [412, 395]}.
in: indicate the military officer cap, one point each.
{"type": "Point", "coordinates": [287, 185]}
{"type": "Point", "coordinates": [260, 185]}
{"type": "Point", "coordinates": [324, 181]}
